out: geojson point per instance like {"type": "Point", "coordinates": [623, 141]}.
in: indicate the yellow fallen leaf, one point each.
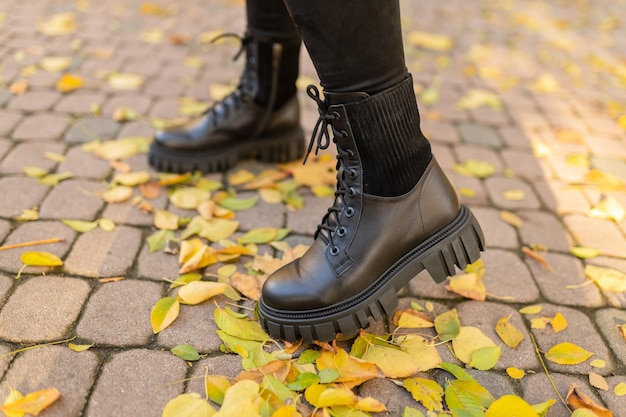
{"type": "Point", "coordinates": [188, 405]}
{"type": "Point", "coordinates": [197, 292]}
{"type": "Point", "coordinates": [558, 323]}
{"type": "Point", "coordinates": [539, 323]}
{"type": "Point", "coordinates": [620, 389]}
{"type": "Point", "coordinates": [198, 258]}
{"type": "Point", "coordinates": [567, 353]}
{"type": "Point", "coordinates": [475, 168]}
{"type": "Point", "coordinates": [241, 399]}
{"type": "Point", "coordinates": [531, 253]}
{"type": "Point", "coordinates": [532, 309]}
{"type": "Point", "coordinates": [608, 208]}
{"type": "Point", "coordinates": [514, 195]}
{"type": "Point", "coordinates": [509, 334]}
{"type": "Point", "coordinates": [131, 179]}
{"type": "Point", "coordinates": [125, 81]}
{"type": "Point", "coordinates": [352, 371]}
{"type": "Point", "coordinates": [425, 391]}
{"type": "Point", "coordinates": [511, 218]}
{"type": "Point", "coordinates": [152, 36]}
{"type": "Point", "coordinates": [117, 194]}
{"type": "Point", "coordinates": [467, 192]}
{"type": "Point", "coordinates": [121, 148]}
{"type": "Point", "coordinates": [58, 24]}
{"type": "Point", "coordinates": [33, 403]}
{"type": "Point", "coordinates": [106, 224]}
{"type": "Point", "coordinates": [577, 399]}
{"type": "Point", "coordinates": [69, 82]}
{"type": "Point", "coordinates": [165, 220]}
{"type": "Point", "coordinates": [584, 252]}
{"type": "Point", "coordinates": [515, 373]}
{"type": "Point", "coordinates": [411, 319]}
{"type": "Point", "coordinates": [598, 381]}
{"type": "Point", "coordinates": [246, 284]}
{"type": "Point", "coordinates": [55, 63]}
{"type": "Point", "coordinates": [34, 172]}
{"type": "Point", "coordinates": [598, 363]}
{"type": "Point", "coordinates": [621, 121]}
{"type": "Point", "coordinates": [485, 358]}
{"type": "Point", "coordinates": [477, 97]}
{"type": "Point", "coordinates": [40, 259]}
{"type": "Point", "coordinates": [164, 312]}
{"type": "Point", "coordinates": [431, 41]}
{"type": "Point", "coordinates": [468, 285]}
{"type": "Point", "coordinates": [607, 279]}
{"type": "Point", "coordinates": [79, 348]}
{"type": "Point", "coordinates": [545, 83]}
{"type": "Point", "coordinates": [469, 340]}
{"type": "Point", "coordinates": [504, 405]}
{"type": "Point", "coordinates": [189, 197]}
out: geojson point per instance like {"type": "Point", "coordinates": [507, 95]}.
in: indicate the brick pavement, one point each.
{"type": "Point", "coordinates": [129, 369]}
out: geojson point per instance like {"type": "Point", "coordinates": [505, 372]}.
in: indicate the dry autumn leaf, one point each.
{"type": "Point", "coordinates": [69, 82]}
{"type": "Point", "coordinates": [509, 334]}
{"type": "Point", "coordinates": [567, 353]}
{"type": "Point", "coordinates": [33, 403]}
{"type": "Point", "coordinates": [125, 81]}
{"type": "Point", "coordinates": [197, 292]}
{"type": "Point", "coordinates": [117, 194]}
{"type": "Point", "coordinates": [577, 399]}
{"type": "Point", "coordinates": [58, 24]}
{"type": "Point", "coordinates": [468, 341]}
{"type": "Point", "coordinates": [608, 279]}
{"type": "Point", "coordinates": [188, 405]}
{"type": "Point", "coordinates": [164, 312]}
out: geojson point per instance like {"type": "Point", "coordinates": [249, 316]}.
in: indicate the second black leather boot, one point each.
{"type": "Point", "coordinates": [261, 118]}
{"type": "Point", "coordinates": [369, 246]}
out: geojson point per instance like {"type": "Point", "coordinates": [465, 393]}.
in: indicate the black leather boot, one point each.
{"type": "Point", "coordinates": [261, 118]}
{"type": "Point", "coordinates": [367, 246]}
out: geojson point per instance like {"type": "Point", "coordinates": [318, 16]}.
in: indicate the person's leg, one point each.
{"type": "Point", "coordinates": [260, 118]}
{"type": "Point", "coordinates": [395, 212]}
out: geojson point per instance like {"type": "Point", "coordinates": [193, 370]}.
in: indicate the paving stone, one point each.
{"type": "Point", "coordinates": [165, 87]}
{"type": "Point", "coordinates": [305, 220]}
{"type": "Point", "coordinates": [607, 320]}
{"type": "Point", "coordinates": [498, 186]}
{"type": "Point", "coordinates": [449, 111]}
{"type": "Point", "coordinates": [616, 404]}
{"type": "Point", "coordinates": [157, 265]}
{"type": "Point", "coordinates": [30, 154]}
{"type": "Point", "coordinates": [498, 234]}
{"type": "Point", "coordinates": [469, 184]}
{"type": "Point", "coordinates": [136, 102]}
{"type": "Point", "coordinates": [485, 316]}
{"type": "Point", "coordinates": [5, 359]}
{"type": "Point", "coordinates": [42, 126]}
{"type": "Point", "coordinates": [32, 101]}
{"type": "Point", "coordinates": [423, 286]}
{"type": "Point", "coordinates": [8, 120]}
{"type": "Point", "coordinates": [529, 120]}
{"type": "Point", "coordinates": [4, 96]}
{"type": "Point", "coordinates": [136, 128]}
{"type": "Point", "coordinates": [612, 166]}
{"type": "Point", "coordinates": [126, 213]}
{"type": "Point", "coordinates": [84, 165]}
{"type": "Point", "coordinates": [609, 148]}
{"type": "Point", "coordinates": [614, 299]}
{"type": "Point", "coordinates": [444, 156]}
{"type": "Point", "coordinates": [261, 215]}
{"type": "Point", "coordinates": [580, 331]}
{"type": "Point", "coordinates": [58, 301]}
{"type": "Point", "coordinates": [513, 136]}
{"type": "Point", "coordinates": [33, 231]}
{"type": "Point", "coordinates": [560, 198]}
{"type": "Point", "coordinates": [73, 199]}
{"type": "Point", "coordinates": [79, 102]}
{"type": "Point", "coordinates": [523, 164]}
{"type": "Point", "coordinates": [136, 382]}
{"type": "Point", "coordinates": [537, 389]}
{"type": "Point", "coordinates": [479, 135]}
{"type": "Point", "coordinates": [394, 397]}
{"type": "Point", "coordinates": [166, 108]}
{"type": "Point", "coordinates": [567, 270]}
{"type": "Point", "coordinates": [118, 314]}
{"type": "Point", "coordinates": [507, 276]}
{"type": "Point", "coordinates": [116, 255]}
{"type": "Point", "coordinates": [5, 227]}
{"type": "Point", "coordinates": [440, 131]}
{"type": "Point", "coordinates": [54, 366]}
{"type": "Point", "coordinates": [603, 235]}
{"type": "Point", "coordinates": [479, 153]}
{"type": "Point", "coordinates": [194, 326]}
{"type": "Point", "coordinates": [5, 145]}
{"type": "Point", "coordinates": [228, 365]}
{"type": "Point", "coordinates": [498, 385]}
{"type": "Point", "coordinates": [489, 116]}
{"type": "Point", "coordinates": [5, 285]}
{"type": "Point", "coordinates": [88, 129]}
{"type": "Point", "coordinates": [542, 228]}
{"type": "Point", "coordinates": [564, 171]}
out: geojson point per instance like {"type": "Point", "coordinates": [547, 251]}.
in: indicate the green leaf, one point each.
{"type": "Point", "coordinates": [186, 352]}
{"type": "Point", "coordinates": [584, 252]}
{"type": "Point", "coordinates": [40, 259]}
{"type": "Point", "coordinates": [448, 325]}
{"type": "Point", "coordinates": [303, 381]}
{"type": "Point", "coordinates": [188, 405]}
{"type": "Point", "coordinates": [54, 179]}
{"type": "Point", "coordinates": [567, 353]}
{"type": "Point", "coordinates": [185, 279]}
{"type": "Point", "coordinates": [79, 348]}
{"type": "Point", "coordinates": [469, 339]}
{"type": "Point", "coordinates": [485, 358]}
{"type": "Point", "coordinates": [259, 235]}
{"type": "Point", "coordinates": [412, 412]}
{"type": "Point", "coordinates": [456, 370]}
{"type": "Point", "coordinates": [238, 204]}
{"type": "Point", "coordinates": [164, 312]}
{"type": "Point", "coordinates": [157, 240]}
{"type": "Point", "coordinates": [328, 375]}
{"type": "Point", "coordinates": [542, 408]}
{"type": "Point", "coordinates": [106, 224]}
{"type": "Point", "coordinates": [461, 401]}
{"type": "Point", "coordinates": [80, 226]}
{"type": "Point", "coordinates": [239, 327]}
{"type": "Point", "coordinates": [271, 384]}
{"type": "Point", "coordinates": [189, 197]}
{"type": "Point", "coordinates": [215, 387]}
{"type": "Point", "coordinates": [425, 391]}
{"type": "Point", "coordinates": [308, 356]}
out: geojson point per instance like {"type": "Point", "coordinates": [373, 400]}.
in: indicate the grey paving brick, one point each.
{"type": "Point", "coordinates": [88, 129]}
{"type": "Point", "coordinates": [73, 199]}
{"type": "Point", "coordinates": [4, 97]}
{"type": "Point", "coordinates": [515, 137]}
{"type": "Point", "coordinates": [165, 87]}
{"type": "Point", "coordinates": [157, 265]}
{"type": "Point", "coordinates": [139, 381]}
{"type": "Point", "coordinates": [228, 365]}
{"type": "Point", "coordinates": [35, 100]}
{"type": "Point", "coordinates": [125, 324]}
{"type": "Point", "coordinates": [8, 120]}
{"type": "Point", "coordinates": [489, 116]}
{"type": "Point", "coordinates": [529, 120]}
{"type": "Point", "coordinates": [616, 404]}
{"type": "Point", "coordinates": [261, 215]}
{"type": "Point", "coordinates": [394, 397]}
{"type": "Point", "coordinates": [464, 184]}
{"type": "Point", "coordinates": [444, 156]}
{"type": "Point", "coordinates": [479, 135]}
{"type": "Point", "coordinates": [166, 107]}
{"type": "Point", "coordinates": [498, 385]}
{"type": "Point", "coordinates": [608, 321]}
{"type": "Point", "coordinates": [507, 276]}
{"type": "Point", "coordinates": [305, 220]}
{"type": "Point", "coordinates": [114, 258]}
{"type": "Point", "coordinates": [5, 226]}
{"type": "Point", "coordinates": [523, 163]}
{"type": "Point", "coordinates": [5, 359]}
{"type": "Point", "coordinates": [559, 198]}
{"type": "Point", "coordinates": [41, 126]}
{"type": "Point", "coordinates": [603, 235]}
{"type": "Point", "coordinates": [479, 153]}
{"type": "Point", "coordinates": [5, 285]}
{"type": "Point", "coordinates": [138, 103]}
{"type": "Point", "coordinates": [606, 147]}
{"type": "Point", "coordinates": [84, 164]}
{"type": "Point", "coordinates": [498, 186]}
{"type": "Point", "coordinates": [485, 316]}
{"type": "Point", "coordinates": [136, 128]}
{"type": "Point", "coordinates": [580, 331]}
{"type": "Point", "coordinates": [33, 231]}
{"type": "Point", "coordinates": [440, 131]}
{"type": "Point", "coordinates": [194, 326]}
{"type": "Point", "coordinates": [79, 102]}
{"type": "Point", "coordinates": [564, 171]}
{"type": "Point", "coordinates": [30, 154]}
{"type": "Point", "coordinates": [498, 234]}
{"type": "Point", "coordinates": [70, 372]}
{"type": "Point", "coordinates": [567, 271]}
{"type": "Point", "coordinates": [43, 309]}
{"type": "Point", "coordinates": [5, 145]}
{"type": "Point", "coordinates": [537, 389]}
{"type": "Point", "coordinates": [542, 228]}
{"type": "Point", "coordinates": [126, 213]}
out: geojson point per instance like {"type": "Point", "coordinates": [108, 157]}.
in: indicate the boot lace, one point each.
{"type": "Point", "coordinates": [330, 226]}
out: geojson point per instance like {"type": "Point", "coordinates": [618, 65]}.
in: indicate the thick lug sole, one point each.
{"type": "Point", "coordinates": [281, 147]}
{"type": "Point", "coordinates": [457, 244]}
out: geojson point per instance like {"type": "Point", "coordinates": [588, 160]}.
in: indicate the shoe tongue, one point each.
{"type": "Point", "coordinates": [333, 99]}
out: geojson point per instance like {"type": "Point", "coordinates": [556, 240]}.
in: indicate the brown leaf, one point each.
{"type": "Point", "coordinates": [469, 286]}
{"type": "Point", "coordinates": [598, 381]}
{"type": "Point", "coordinates": [150, 190]}
{"type": "Point", "coordinates": [33, 403]}
{"type": "Point", "coordinates": [19, 87]}
{"type": "Point", "coordinates": [247, 285]}
{"type": "Point", "coordinates": [278, 369]}
{"type": "Point", "coordinates": [576, 399]}
{"type": "Point", "coordinates": [537, 257]}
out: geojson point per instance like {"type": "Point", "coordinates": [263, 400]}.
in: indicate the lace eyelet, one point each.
{"type": "Point", "coordinates": [352, 174]}
{"type": "Point", "coordinates": [350, 154]}
{"type": "Point", "coordinates": [341, 232]}
{"type": "Point", "coordinates": [350, 212]}
{"type": "Point", "coordinates": [334, 250]}
{"type": "Point", "coordinates": [344, 134]}
{"type": "Point", "coordinates": [336, 115]}
{"type": "Point", "coordinates": [351, 192]}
